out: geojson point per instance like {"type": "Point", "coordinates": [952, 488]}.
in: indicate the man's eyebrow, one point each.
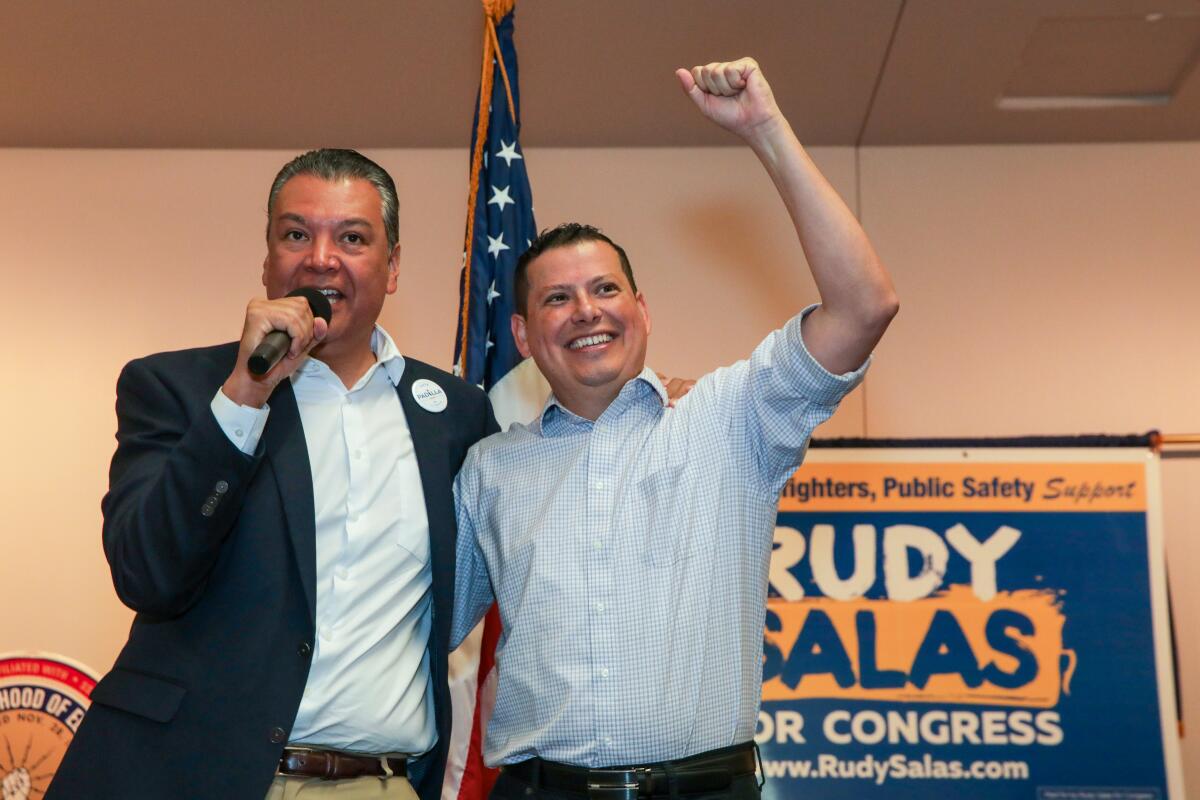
{"type": "Point", "coordinates": [342, 223]}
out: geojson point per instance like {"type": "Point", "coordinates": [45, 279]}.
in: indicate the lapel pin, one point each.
{"type": "Point", "coordinates": [429, 395]}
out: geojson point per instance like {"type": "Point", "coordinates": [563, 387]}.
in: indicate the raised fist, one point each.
{"type": "Point", "coordinates": [733, 94]}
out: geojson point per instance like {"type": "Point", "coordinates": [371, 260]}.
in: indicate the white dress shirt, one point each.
{"type": "Point", "coordinates": [369, 687]}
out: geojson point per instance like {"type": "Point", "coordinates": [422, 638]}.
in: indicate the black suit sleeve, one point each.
{"type": "Point", "coordinates": [175, 486]}
{"type": "Point", "coordinates": [490, 425]}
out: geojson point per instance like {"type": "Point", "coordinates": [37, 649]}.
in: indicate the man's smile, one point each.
{"type": "Point", "coordinates": [590, 342]}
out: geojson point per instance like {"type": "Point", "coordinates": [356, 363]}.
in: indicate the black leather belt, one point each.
{"type": "Point", "coordinates": [713, 771]}
{"type": "Point", "coordinates": [335, 765]}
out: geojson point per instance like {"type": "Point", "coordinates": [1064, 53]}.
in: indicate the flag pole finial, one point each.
{"type": "Point", "coordinates": [497, 9]}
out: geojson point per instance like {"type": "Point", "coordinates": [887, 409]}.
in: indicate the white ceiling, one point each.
{"type": "Point", "coordinates": [400, 73]}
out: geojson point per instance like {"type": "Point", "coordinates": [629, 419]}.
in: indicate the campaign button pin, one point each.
{"type": "Point", "coordinates": [429, 395]}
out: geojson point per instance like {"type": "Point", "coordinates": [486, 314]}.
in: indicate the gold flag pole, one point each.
{"type": "Point", "coordinates": [1160, 440]}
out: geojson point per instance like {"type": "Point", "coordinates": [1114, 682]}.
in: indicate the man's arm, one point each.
{"type": "Point", "coordinates": [179, 475]}
{"type": "Point", "coordinates": [472, 585]}
{"type": "Point", "coordinates": [175, 488]}
{"type": "Point", "coordinates": [857, 297]}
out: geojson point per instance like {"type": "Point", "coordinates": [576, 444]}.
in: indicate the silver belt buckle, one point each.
{"type": "Point", "coordinates": [618, 784]}
{"type": "Point", "coordinates": [302, 752]}
{"type": "Point", "coordinates": [612, 784]}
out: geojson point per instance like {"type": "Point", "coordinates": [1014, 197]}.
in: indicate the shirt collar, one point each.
{"type": "Point", "coordinates": [641, 388]}
{"type": "Point", "coordinates": [387, 355]}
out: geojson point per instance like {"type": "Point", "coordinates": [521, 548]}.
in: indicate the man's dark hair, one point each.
{"type": "Point", "coordinates": [564, 235]}
{"type": "Point", "coordinates": [334, 165]}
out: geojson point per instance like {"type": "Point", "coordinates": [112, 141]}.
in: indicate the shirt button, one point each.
{"type": "Point", "coordinates": [608, 740]}
{"type": "Point", "coordinates": [598, 485]}
{"type": "Point", "coordinates": [604, 672]}
{"type": "Point", "coordinates": [278, 735]}
{"type": "Point", "coordinates": [598, 545]}
{"type": "Point", "coordinates": [599, 606]}
{"type": "Point", "coordinates": [238, 432]}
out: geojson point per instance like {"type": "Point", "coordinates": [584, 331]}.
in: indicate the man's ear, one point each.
{"type": "Point", "coordinates": [641, 301]}
{"type": "Point", "coordinates": [518, 332]}
{"type": "Point", "coordinates": [393, 267]}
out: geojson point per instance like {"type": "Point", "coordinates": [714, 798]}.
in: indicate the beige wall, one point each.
{"type": "Point", "coordinates": [1044, 290]}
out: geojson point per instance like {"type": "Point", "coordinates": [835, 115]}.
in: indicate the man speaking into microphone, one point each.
{"type": "Point", "coordinates": [286, 539]}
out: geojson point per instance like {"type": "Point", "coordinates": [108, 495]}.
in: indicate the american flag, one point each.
{"type": "Point", "coordinates": [502, 228]}
{"type": "Point", "coordinates": [499, 228]}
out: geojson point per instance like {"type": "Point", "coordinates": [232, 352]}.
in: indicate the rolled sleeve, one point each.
{"type": "Point", "coordinates": [787, 394]}
{"type": "Point", "coordinates": [821, 385]}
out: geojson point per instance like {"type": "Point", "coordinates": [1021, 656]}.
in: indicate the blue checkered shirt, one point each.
{"type": "Point", "coordinates": [629, 557]}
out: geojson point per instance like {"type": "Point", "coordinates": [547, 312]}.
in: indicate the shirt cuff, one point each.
{"type": "Point", "coordinates": [243, 425]}
{"type": "Point", "coordinates": [825, 387]}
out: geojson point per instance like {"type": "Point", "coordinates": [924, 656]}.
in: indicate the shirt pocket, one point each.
{"type": "Point", "coordinates": [666, 541]}
{"type": "Point", "coordinates": [414, 546]}
{"type": "Point", "coordinates": [405, 508]}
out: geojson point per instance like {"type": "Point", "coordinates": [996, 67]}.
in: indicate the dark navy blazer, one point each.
{"type": "Point", "coordinates": [215, 551]}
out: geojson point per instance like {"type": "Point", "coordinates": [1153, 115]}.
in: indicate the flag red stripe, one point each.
{"type": "Point", "coordinates": [477, 779]}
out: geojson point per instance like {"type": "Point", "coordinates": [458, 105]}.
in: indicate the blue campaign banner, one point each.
{"type": "Point", "coordinates": [981, 623]}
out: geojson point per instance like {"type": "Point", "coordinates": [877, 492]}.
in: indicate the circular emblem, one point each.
{"type": "Point", "coordinates": [43, 699]}
{"type": "Point", "coordinates": [429, 395]}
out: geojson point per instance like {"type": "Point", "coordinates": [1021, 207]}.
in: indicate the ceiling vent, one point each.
{"type": "Point", "coordinates": [1103, 62]}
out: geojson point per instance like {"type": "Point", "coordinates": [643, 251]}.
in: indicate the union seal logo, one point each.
{"type": "Point", "coordinates": [43, 699]}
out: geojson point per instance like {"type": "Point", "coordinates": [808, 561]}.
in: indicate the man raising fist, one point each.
{"type": "Point", "coordinates": [627, 542]}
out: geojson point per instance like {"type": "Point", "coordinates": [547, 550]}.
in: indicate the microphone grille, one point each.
{"type": "Point", "coordinates": [318, 302]}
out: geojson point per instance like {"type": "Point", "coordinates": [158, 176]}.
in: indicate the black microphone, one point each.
{"type": "Point", "coordinates": [275, 344]}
